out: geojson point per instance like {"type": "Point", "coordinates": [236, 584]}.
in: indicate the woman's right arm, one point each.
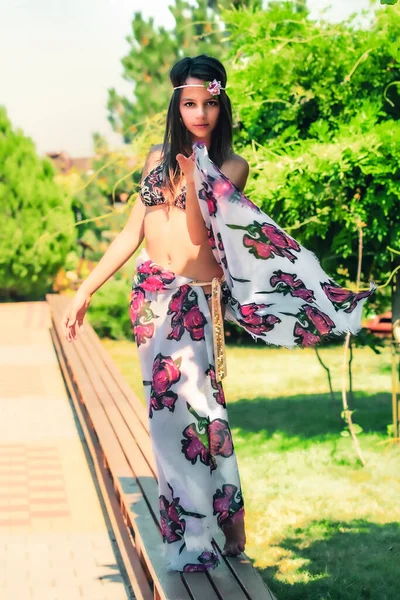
{"type": "Point", "coordinates": [117, 254]}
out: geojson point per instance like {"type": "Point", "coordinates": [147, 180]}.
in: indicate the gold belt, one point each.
{"type": "Point", "coordinates": [217, 324]}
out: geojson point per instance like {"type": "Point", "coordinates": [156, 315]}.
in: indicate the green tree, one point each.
{"type": "Point", "coordinates": [153, 51]}
{"type": "Point", "coordinates": [37, 220]}
{"type": "Point", "coordinates": [318, 109]}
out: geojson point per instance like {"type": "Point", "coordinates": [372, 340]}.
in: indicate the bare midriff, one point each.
{"type": "Point", "coordinates": [168, 244]}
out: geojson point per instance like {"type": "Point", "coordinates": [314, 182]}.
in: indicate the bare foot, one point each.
{"type": "Point", "coordinates": [235, 538]}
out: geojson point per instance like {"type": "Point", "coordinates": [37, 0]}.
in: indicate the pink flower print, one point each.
{"type": "Point", "coordinates": [226, 503]}
{"type": "Point", "coordinates": [143, 333]}
{"type": "Point", "coordinates": [342, 298]}
{"type": "Point", "coordinates": [222, 188]}
{"type": "Point", "coordinates": [267, 241]}
{"type": "Point", "coordinates": [211, 238]}
{"type": "Point", "coordinates": [208, 196]}
{"type": "Point", "coordinates": [153, 277]}
{"type": "Point", "coordinates": [178, 299]}
{"type": "Point", "coordinates": [206, 440]}
{"type": "Point", "coordinates": [207, 561]}
{"type": "Point", "coordinates": [219, 393]}
{"type": "Point", "coordinates": [254, 323]}
{"type": "Point", "coordinates": [287, 283]}
{"type": "Point", "coordinates": [193, 446]}
{"type": "Point", "coordinates": [145, 268]}
{"type": "Point", "coordinates": [137, 302]}
{"type": "Point", "coordinates": [171, 513]}
{"type": "Point", "coordinates": [220, 438]}
{"type": "Point", "coordinates": [259, 248]}
{"type": "Point", "coordinates": [172, 527]}
{"type": "Point", "coordinates": [194, 322]}
{"type": "Point", "coordinates": [141, 315]}
{"type": "Point", "coordinates": [322, 323]}
{"type": "Point", "coordinates": [186, 315]}
{"type": "Point", "coordinates": [311, 326]}
{"type": "Point", "coordinates": [278, 237]}
{"type": "Point", "coordinates": [305, 337]}
{"type": "Point", "coordinates": [177, 329]}
{"type": "Point", "coordinates": [165, 373]}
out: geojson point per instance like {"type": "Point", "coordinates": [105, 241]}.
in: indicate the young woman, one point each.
{"type": "Point", "coordinates": [186, 404]}
{"type": "Point", "coordinates": [210, 253]}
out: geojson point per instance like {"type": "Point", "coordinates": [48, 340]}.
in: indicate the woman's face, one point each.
{"type": "Point", "coordinates": [199, 110]}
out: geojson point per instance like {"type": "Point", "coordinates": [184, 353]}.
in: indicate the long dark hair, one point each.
{"type": "Point", "coordinates": [177, 137]}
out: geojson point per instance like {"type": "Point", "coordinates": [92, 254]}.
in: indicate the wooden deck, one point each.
{"type": "Point", "coordinates": [115, 423]}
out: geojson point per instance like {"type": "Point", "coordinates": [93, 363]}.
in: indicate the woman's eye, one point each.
{"type": "Point", "coordinates": [210, 102]}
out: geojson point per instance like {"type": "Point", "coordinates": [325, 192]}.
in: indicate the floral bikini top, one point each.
{"type": "Point", "coordinates": [151, 192]}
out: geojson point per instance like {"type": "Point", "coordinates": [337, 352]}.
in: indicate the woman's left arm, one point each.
{"type": "Point", "coordinates": [237, 170]}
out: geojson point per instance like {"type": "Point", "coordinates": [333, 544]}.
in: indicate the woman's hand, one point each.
{"type": "Point", "coordinates": [72, 321]}
{"type": "Point", "coordinates": [187, 166]}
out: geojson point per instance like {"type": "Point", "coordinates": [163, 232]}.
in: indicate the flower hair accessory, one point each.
{"type": "Point", "coordinates": [213, 87]}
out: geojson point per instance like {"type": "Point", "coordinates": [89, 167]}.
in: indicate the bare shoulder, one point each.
{"type": "Point", "coordinates": [155, 153]}
{"type": "Point", "coordinates": [236, 168]}
{"type": "Point", "coordinates": [153, 159]}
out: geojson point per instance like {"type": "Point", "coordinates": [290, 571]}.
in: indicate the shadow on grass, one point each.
{"type": "Point", "coordinates": [356, 560]}
{"type": "Point", "coordinates": [309, 416]}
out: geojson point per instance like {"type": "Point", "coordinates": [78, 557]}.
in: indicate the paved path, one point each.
{"type": "Point", "coordinates": [55, 542]}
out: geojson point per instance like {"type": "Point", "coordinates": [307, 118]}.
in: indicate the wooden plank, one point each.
{"type": "Point", "coordinates": [200, 587]}
{"type": "Point", "coordinates": [115, 384]}
{"type": "Point", "coordinates": [138, 407]}
{"type": "Point", "coordinates": [250, 580]}
{"type": "Point", "coordinates": [226, 583]}
{"type": "Point", "coordinates": [141, 434]}
{"type": "Point", "coordinates": [133, 566]}
{"type": "Point", "coordinates": [169, 585]}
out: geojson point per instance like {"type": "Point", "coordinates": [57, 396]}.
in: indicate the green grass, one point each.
{"type": "Point", "coordinates": [319, 525]}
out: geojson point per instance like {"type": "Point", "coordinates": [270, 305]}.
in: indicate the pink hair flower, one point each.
{"type": "Point", "coordinates": [214, 87]}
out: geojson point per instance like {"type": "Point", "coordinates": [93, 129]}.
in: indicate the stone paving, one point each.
{"type": "Point", "coordinates": [55, 541]}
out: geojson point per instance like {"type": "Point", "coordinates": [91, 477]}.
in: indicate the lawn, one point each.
{"type": "Point", "coordinates": [319, 525]}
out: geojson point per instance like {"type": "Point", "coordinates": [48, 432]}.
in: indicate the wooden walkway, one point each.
{"type": "Point", "coordinates": [115, 426]}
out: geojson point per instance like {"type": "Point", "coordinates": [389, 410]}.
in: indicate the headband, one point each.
{"type": "Point", "coordinates": [213, 87]}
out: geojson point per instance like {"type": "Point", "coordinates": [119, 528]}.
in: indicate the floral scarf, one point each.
{"type": "Point", "coordinates": [278, 290]}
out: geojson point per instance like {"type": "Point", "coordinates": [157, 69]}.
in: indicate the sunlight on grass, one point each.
{"type": "Point", "coordinates": [318, 524]}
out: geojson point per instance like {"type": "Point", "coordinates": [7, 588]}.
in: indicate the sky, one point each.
{"type": "Point", "coordinates": [58, 59]}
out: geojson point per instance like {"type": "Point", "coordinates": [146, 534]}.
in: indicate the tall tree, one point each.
{"type": "Point", "coordinates": [319, 109]}
{"type": "Point", "coordinates": [37, 220]}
